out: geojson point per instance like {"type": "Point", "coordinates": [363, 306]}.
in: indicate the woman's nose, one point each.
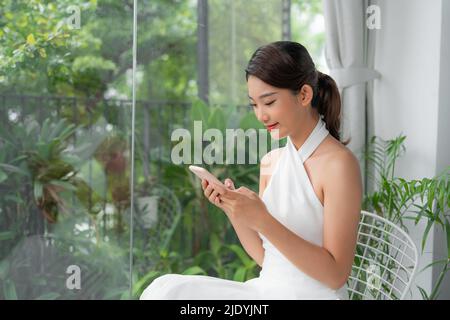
{"type": "Point", "coordinates": [261, 115]}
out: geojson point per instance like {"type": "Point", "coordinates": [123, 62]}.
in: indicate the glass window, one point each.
{"type": "Point", "coordinates": [82, 216]}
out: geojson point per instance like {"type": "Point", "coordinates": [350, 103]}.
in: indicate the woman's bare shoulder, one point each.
{"type": "Point", "coordinates": [332, 149]}
{"type": "Point", "coordinates": [338, 154]}
{"type": "Point", "coordinates": [339, 162]}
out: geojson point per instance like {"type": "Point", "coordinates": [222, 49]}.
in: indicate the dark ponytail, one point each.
{"type": "Point", "coordinates": [327, 101]}
{"type": "Point", "coordinates": [288, 65]}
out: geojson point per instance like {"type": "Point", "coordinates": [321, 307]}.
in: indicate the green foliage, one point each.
{"type": "Point", "coordinates": [47, 179]}
{"type": "Point", "coordinates": [231, 44]}
{"type": "Point", "coordinates": [104, 269]}
{"type": "Point", "coordinates": [36, 40]}
{"type": "Point", "coordinates": [38, 43]}
{"type": "Point", "coordinates": [306, 16]}
{"type": "Point", "coordinates": [49, 165]}
{"type": "Point", "coordinates": [398, 200]}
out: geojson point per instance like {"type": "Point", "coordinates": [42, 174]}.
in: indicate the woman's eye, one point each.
{"type": "Point", "coordinates": [251, 105]}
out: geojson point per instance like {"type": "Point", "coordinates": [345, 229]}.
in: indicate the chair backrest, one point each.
{"type": "Point", "coordinates": [385, 261]}
{"type": "Point", "coordinates": [158, 213]}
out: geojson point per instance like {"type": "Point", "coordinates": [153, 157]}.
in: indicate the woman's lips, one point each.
{"type": "Point", "coordinates": [272, 126]}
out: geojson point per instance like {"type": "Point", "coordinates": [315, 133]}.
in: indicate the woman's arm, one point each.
{"type": "Point", "coordinates": [330, 264]}
{"type": "Point", "coordinates": [248, 237]}
{"type": "Point", "coordinates": [250, 240]}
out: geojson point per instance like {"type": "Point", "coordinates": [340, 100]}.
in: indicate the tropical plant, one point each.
{"type": "Point", "coordinates": [399, 200]}
{"type": "Point", "coordinates": [50, 166]}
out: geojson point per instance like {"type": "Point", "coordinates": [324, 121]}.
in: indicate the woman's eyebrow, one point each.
{"type": "Point", "coordinates": [264, 95]}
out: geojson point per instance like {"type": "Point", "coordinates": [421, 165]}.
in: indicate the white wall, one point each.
{"type": "Point", "coordinates": [412, 96]}
{"type": "Point", "coordinates": [443, 143]}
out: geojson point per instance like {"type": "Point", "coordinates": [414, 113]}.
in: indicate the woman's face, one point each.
{"type": "Point", "coordinates": [277, 109]}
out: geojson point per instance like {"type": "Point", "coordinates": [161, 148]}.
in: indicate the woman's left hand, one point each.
{"type": "Point", "coordinates": [244, 206]}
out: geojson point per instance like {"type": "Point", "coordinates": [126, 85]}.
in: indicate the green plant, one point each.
{"type": "Point", "coordinates": [50, 166]}
{"type": "Point", "coordinates": [49, 201]}
{"type": "Point", "coordinates": [38, 157]}
{"type": "Point", "coordinates": [104, 269]}
{"type": "Point", "coordinates": [398, 199]}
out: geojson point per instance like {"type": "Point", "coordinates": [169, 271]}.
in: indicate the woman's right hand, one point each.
{"type": "Point", "coordinates": [212, 194]}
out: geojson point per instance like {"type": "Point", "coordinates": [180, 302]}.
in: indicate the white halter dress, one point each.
{"type": "Point", "coordinates": [290, 198]}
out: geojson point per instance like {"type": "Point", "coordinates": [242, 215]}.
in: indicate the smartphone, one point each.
{"type": "Point", "coordinates": [202, 173]}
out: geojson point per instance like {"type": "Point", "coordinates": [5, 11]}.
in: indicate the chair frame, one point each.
{"type": "Point", "coordinates": [390, 231]}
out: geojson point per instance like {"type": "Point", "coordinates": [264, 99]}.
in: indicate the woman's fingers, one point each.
{"type": "Point", "coordinates": [204, 184]}
{"type": "Point", "coordinates": [245, 191]}
{"type": "Point", "coordinates": [220, 188]}
{"type": "Point", "coordinates": [227, 194]}
{"type": "Point", "coordinates": [207, 191]}
{"type": "Point", "coordinates": [213, 196]}
{"type": "Point", "coordinates": [218, 195]}
{"type": "Point", "coordinates": [222, 205]}
{"type": "Point", "coordinates": [229, 184]}
{"type": "Point", "coordinates": [226, 201]}
{"type": "Point", "coordinates": [210, 193]}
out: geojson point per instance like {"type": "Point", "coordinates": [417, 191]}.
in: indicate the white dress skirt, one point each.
{"type": "Point", "coordinates": [290, 198]}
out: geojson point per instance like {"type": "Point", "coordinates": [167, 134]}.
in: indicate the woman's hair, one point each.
{"type": "Point", "coordinates": [288, 65]}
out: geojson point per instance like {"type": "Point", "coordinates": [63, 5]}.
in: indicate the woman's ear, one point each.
{"type": "Point", "coordinates": [305, 95]}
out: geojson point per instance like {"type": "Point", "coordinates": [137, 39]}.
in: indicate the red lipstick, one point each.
{"type": "Point", "coordinates": [272, 126]}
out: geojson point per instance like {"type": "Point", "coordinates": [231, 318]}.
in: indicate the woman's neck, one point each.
{"type": "Point", "coordinates": [298, 138]}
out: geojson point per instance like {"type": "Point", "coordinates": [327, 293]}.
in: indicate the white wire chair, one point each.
{"type": "Point", "coordinates": [385, 262]}
{"type": "Point", "coordinates": [157, 217]}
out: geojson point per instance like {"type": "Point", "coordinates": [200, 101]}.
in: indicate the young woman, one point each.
{"type": "Point", "coordinates": [302, 227]}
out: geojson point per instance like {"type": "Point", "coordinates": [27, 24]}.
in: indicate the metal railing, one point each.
{"type": "Point", "coordinates": [155, 118]}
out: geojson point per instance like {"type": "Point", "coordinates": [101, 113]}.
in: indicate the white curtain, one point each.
{"type": "Point", "coordinates": [349, 54]}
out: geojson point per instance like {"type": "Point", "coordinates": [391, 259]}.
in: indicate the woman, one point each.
{"type": "Point", "coordinates": [302, 227]}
